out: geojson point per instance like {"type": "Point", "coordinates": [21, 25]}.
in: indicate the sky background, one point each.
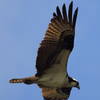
{"type": "Point", "coordinates": [22, 26]}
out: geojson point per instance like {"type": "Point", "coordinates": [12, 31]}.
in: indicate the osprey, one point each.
{"type": "Point", "coordinates": [51, 64]}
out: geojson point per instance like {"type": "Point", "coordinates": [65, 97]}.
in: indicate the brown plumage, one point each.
{"type": "Point", "coordinates": [51, 43]}
{"type": "Point", "coordinates": [52, 57]}
{"type": "Point", "coordinates": [56, 94]}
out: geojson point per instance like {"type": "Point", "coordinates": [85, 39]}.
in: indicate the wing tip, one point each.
{"type": "Point", "coordinates": [75, 17]}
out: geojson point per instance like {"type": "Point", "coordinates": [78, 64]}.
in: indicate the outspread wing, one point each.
{"type": "Point", "coordinates": [56, 94]}
{"type": "Point", "coordinates": [59, 35]}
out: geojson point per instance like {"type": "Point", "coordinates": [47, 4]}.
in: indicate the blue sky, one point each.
{"type": "Point", "coordinates": [22, 26]}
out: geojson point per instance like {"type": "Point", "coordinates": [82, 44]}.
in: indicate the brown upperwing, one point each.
{"type": "Point", "coordinates": [51, 44]}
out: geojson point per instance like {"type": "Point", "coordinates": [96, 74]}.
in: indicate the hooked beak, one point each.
{"type": "Point", "coordinates": [78, 87]}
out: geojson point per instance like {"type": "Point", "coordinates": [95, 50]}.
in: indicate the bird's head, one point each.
{"type": "Point", "coordinates": [74, 83]}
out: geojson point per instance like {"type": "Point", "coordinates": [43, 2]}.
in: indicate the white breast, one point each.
{"type": "Point", "coordinates": [55, 76]}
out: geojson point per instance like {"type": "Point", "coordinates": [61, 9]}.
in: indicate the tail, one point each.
{"type": "Point", "coordinates": [28, 80]}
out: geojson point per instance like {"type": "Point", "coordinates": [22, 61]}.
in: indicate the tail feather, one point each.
{"type": "Point", "coordinates": [16, 81]}
{"type": "Point", "coordinates": [28, 80]}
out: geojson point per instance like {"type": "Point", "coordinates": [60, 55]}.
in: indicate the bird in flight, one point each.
{"type": "Point", "coordinates": [51, 63]}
